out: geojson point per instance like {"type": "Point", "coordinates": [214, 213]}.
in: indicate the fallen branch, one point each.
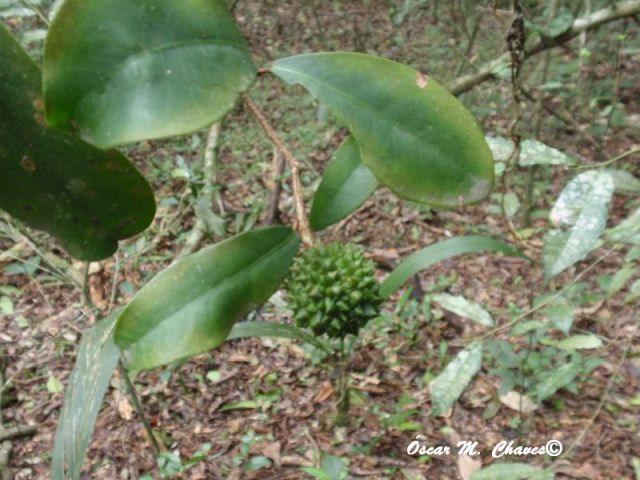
{"type": "Point", "coordinates": [580, 25]}
{"type": "Point", "coordinates": [277, 167]}
{"type": "Point", "coordinates": [19, 431]}
{"type": "Point", "coordinates": [205, 196]}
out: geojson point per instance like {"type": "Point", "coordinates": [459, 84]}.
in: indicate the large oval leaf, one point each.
{"type": "Point", "coordinates": [415, 136]}
{"type": "Point", "coordinates": [128, 70]}
{"type": "Point", "coordinates": [52, 181]}
{"type": "Point", "coordinates": [440, 251]}
{"type": "Point", "coordinates": [345, 185]}
{"type": "Point", "coordinates": [191, 306]}
{"type": "Point", "coordinates": [95, 362]}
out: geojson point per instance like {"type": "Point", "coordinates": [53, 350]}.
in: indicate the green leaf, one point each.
{"type": "Point", "coordinates": [52, 181]}
{"type": "Point", "coordinates": [440, 251]}
{"type": "Point", "coordinates": [506, 471]}
{"type": "Point", "coordinates": [627, 231]}
{"type": "Point", "coordinates": [501, 148]}
{"type": "Point", "coordinates": [54, 385]}
{"type": "Point", "coordinates": [576, 342]}
{"type": "Point", "coordinates": [95, 362]}
{"type": "Point", "coordinates": [6, 306]}
{"type": "Point", "coordinates": [463, 307]}
{"type": "Point", "coordinates": [625, 183]}
{"type": "Point", "coordinates": [416, 137]}
{"type": "Point", "coordinates": [620, 278]}
{"type": "Point", "coordinates": [191, 306]}
{"type": "Point", "coordinates": [241, 405]}
{"type": "Point", "coordinates": [532, 152]}
{"type": "Point", "coordinates": [556, 379]}
{"type": "Point", "coordinates": [583, 206]}
{"type": "Point", "coordinates": [634, 292]}
{"type": "Point", "coordinates": [121, 71]}
{"type": "Point", "coordinates": [560, 314]}
{"type": "Point", "coordinates": [271, 329]}
{"type": "Point", "coordinates": [635, 463]}
{"type": "Point", "coordinates": [345, 185]}
{"type": "Point", "coordinates": [316, 473]}
{"type": "Point", "coordinates": [447, 387]}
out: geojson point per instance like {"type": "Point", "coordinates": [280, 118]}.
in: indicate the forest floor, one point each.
{"type": "Point", "coordinates": [286, 420]}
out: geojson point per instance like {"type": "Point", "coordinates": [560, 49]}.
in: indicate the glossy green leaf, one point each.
{"type": "Point", "coordinates": [416, 137]}
{"type": "Point", "coordinates": [121, 71]}
{"type": "Point", "coordinates": [440, 251]}
{"type": "Point", "coordinates": [191, 306]}
{"type": "Point", "coordinates": [447, 387]}
{"type": "Point", "coordinates": [272, 329]}
{"type": "Point", "coordinates": [345, 185]}
{"type": "Point", "coordinates": [52, 181]}
{"type": "Point", "coordinates": [95, 362]}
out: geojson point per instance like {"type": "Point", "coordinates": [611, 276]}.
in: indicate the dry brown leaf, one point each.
{"type": "Point", "coordinates": [326, 390]}
{"type": "Point", "coordinates": [122, 406]}
{"type": "Point", "coordinates": [518, 402]}
{"type": "Point", "coordinates": [467, 466]}
{"type": "Point", "coordinates": [272, 451]}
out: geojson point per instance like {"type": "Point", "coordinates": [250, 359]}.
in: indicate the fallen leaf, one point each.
{"type": "Point", "coordinates": [467, 466]}
{"type": "Point", "coordinates": [272, 451]}
{"type": "Point", "coordinates": [326, 390]}
{"type": "Point", "coordinates": [518, 402]}
{"type": "Point", "coordinates": [122, 406]}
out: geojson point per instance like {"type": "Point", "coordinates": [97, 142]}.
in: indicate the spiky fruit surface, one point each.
{"type": "Point", "coordinates": [332, 289]}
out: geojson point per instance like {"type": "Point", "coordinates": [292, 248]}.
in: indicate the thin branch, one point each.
{"type": "Point", "coordinates": [611, 161]}
{"type": "Point", "coordinates": [19, 431]}
{"type": "Point", "coordinates": [486, 71]}
{"type": "Point", "coordinates": [131, 389]}
{"type": "Point", "coordinates": [294, 166]}
{"type": "Point", "coordinates": [277, 166]}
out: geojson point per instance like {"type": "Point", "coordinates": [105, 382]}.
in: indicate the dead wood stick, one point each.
{"type": "Point", "coordinates": [273, 213]}
{"type": "Point", "coordinates": [592, 21]}
{"type": "Point", "coordinates": [19, 431]}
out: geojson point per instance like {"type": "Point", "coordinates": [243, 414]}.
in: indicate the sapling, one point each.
{"type": "Point", "coordinates": [332, 290]}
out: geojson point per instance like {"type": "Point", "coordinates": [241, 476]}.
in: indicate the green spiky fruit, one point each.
{"type": "Point", "coordinates": [332, 289]}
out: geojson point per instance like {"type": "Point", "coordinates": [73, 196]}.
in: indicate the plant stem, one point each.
{"type": "Point", "coordinates": [131, 389]}
{"type": "Point", "coordinates": [615, 159]}
{"type": "Point", "coordinates": [343, 404]}
{"type": "Point", "coordinates": [531, 171]}
{"type": "Point", "coordinates": [302, 221]}
{"type": "Point", "coordinates": [86, 294]}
